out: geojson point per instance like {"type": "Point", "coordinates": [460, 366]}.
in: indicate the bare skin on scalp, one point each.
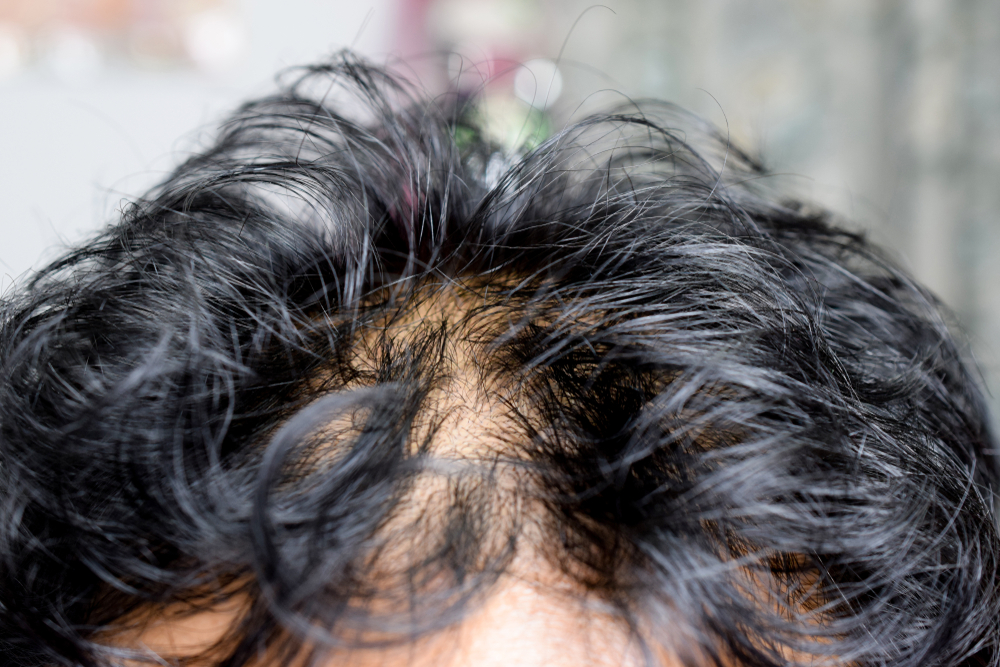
{"type": "Point", "coordinates": [532, 615]}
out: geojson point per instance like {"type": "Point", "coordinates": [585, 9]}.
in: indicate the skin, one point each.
{"type": "Point", "coordinates": [522, 623]}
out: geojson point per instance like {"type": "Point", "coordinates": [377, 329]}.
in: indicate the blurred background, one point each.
{"type": "Point", "coordinates": [886, 111]}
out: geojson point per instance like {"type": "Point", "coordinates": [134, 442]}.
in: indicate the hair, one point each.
{"type": "Point", "coordinates": [347, 363]}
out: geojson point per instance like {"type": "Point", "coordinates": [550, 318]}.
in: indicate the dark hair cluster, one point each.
{"type": "Point", "coordinates": [710, 407]}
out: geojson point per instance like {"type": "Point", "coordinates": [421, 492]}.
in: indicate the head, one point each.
{"type": "Point", "coordinates": [355, 387]}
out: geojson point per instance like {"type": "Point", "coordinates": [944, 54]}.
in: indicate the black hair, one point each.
{"type": "Point", "coordinates": [714, 408]}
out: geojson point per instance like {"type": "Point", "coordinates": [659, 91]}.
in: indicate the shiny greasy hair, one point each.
{"type": "Point", "coordinates": [717, 413]}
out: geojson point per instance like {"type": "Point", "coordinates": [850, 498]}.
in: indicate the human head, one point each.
{"type": "Point", "coordinates": [352, 376]}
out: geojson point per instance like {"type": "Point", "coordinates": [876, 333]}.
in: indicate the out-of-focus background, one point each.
{"type": "Point", "coordinates": [887, 111]}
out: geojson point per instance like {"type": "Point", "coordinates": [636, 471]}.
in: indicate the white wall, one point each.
{"type": "Point", "coordinates": [71, 152]}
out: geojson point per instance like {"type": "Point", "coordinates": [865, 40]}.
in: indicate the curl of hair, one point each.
{"type": "Point", "coordinates": [725, 387]}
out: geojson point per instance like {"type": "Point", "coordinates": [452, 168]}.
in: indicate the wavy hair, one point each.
{"type": "Point", "coordinates": [704, 403]}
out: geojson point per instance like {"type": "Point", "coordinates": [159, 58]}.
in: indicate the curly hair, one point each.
{"type": "Point", "coordinates": [347, 365]}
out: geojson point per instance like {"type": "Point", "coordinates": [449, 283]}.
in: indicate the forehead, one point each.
{"type": "Point", "coordinates": [522, 622]}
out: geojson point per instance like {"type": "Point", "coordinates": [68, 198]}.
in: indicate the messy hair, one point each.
{"type": "Point", "coordinates": [718, 413]}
